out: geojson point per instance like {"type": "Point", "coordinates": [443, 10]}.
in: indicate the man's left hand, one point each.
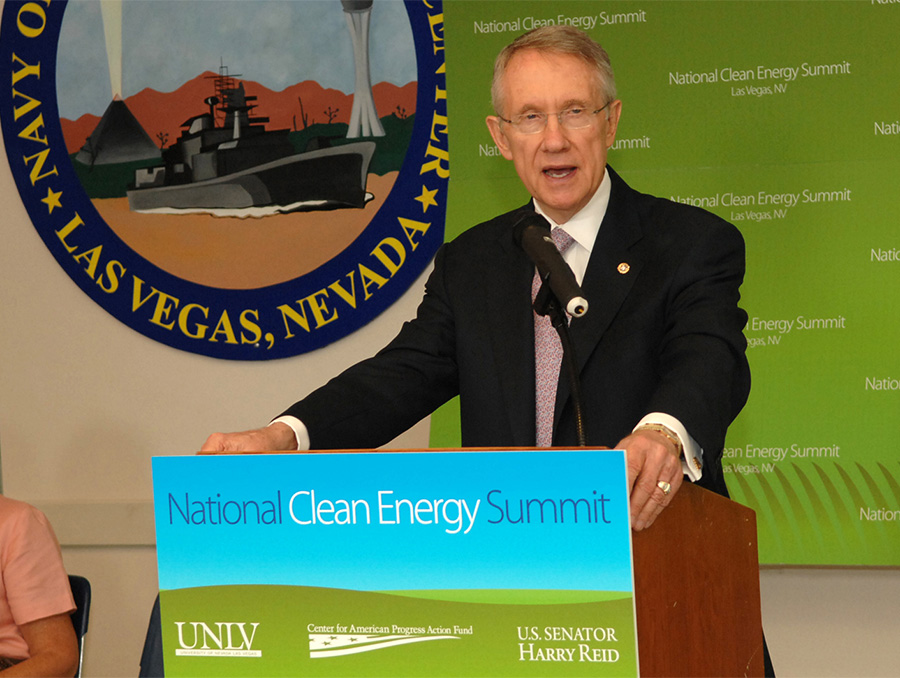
{"type": "Point", "coordinates": [652, 460]}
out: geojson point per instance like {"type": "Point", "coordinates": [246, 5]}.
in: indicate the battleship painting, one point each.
{"type": "Point", "coordinates": [225, 158]}
{"type": "Point", "coordinates": [228, 196]}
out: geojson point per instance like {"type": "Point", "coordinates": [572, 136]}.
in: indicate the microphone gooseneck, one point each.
{"type": "Point", "coordinates": [559, 290]}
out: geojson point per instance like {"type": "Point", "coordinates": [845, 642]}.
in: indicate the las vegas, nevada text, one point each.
{"type": "Point", "coordinates": [454, 515]}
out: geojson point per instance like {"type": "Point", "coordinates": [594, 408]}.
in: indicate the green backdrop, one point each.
{"type": "Point", "coordinates": [784, 118]}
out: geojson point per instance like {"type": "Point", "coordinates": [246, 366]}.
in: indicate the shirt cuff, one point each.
{"type": "Point", "coordinates": [299, 429]}
{"type": "Point", "coordinates": [692, 458]}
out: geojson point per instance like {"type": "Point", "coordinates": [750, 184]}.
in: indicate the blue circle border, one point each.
{"type": "Point", "coordinates": [253, 326]}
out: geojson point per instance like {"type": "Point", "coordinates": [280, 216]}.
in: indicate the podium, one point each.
{"type": "Point", "coordinates": [696, 583]}
{"type": "Point", "coordinates": [551, 554]}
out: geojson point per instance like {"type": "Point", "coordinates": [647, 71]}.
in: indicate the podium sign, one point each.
{"type": "Point", "coordinates": [396, 564]}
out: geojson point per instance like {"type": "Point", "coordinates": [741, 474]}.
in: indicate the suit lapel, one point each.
{"type": "Point", "coordinates": [612, 270]}
{"type": "Point", "coordinates": [512, 331]}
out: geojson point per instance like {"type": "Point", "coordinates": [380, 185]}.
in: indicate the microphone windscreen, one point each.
{"type": "Point", "coordinates": [529, 219]}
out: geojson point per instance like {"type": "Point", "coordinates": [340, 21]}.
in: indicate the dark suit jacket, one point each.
{"type": "Point", "coordinates": [665, 336]}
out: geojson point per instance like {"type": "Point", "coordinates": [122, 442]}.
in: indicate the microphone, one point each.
{"type": "Point", "coordinates": [532, 234]}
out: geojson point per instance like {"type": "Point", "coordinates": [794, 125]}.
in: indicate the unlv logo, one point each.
{"type": "Point", "coordinates": [231, 189]}
{"type": "Point", "coordinates": [219, 639]}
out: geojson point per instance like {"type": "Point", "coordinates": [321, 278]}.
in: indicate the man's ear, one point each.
{"type": "Point", "coordinates": [499, 136]}
{"type": "Point", "coordinates": [615, 112]}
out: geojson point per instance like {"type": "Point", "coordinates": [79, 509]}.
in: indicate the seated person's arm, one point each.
{"type": "Point", "coordinates": [52, 645]}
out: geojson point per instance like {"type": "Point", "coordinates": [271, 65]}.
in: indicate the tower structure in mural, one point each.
{"type": "Point", "coordinates": [364, 119]}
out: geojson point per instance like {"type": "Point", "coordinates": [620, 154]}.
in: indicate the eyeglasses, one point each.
{"type": "Point", "coordinates": [534, 122]}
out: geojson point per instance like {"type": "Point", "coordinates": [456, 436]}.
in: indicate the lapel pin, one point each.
{"type": "Point", "coordinates": [623, 268]}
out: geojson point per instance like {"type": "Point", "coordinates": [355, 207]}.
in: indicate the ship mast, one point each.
{"type": "Point", "coordinates": [234, 107]}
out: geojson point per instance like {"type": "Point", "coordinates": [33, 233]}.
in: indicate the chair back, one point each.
{"type": "Point", "coordinates": [81, 591]}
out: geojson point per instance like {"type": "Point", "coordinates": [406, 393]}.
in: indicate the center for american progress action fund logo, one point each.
{"type": "Point", "coordinates": [233, 201]}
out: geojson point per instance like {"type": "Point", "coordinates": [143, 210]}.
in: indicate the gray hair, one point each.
{"type": "Point", "coordinates": [556, 40]}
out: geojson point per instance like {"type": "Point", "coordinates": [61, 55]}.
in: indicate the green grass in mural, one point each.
{"type": "Point", "coordinates": [390, 150]}
{"type": "Point", "coordinates": [108, 181]}
{"type": "Point", "coordinates": [276, 622]}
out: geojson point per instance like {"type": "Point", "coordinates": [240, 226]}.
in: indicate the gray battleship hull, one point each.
{"type": "Point", "coordinates": [328, 177]}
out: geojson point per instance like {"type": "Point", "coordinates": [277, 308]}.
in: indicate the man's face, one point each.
{"type": "Point", "coordinates": [561, 168]}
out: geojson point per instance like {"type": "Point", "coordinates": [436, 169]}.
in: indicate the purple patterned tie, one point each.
{"type": "Point", "coordinates": [547, 356]}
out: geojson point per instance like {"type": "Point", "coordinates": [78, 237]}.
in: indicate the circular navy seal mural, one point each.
{"type": "Point", "coordinates": [244, 180]}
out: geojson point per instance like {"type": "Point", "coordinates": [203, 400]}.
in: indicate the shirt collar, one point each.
{"type": "Point", "coordinates": [585, 224]}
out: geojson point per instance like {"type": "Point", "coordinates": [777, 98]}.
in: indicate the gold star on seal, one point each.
{"type": "Point", "coordinates": [52, 200]}
{"type": "Point", "coordinates": [427, 198]}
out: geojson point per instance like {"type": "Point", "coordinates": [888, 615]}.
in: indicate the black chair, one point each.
{"type": "Point", "coordinates": [81, 591]}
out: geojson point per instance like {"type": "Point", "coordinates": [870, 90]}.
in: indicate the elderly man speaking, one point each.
{"type": "Point", "coordinates": [660, 355]}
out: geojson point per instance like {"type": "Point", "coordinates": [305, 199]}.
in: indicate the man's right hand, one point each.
{"type": "Point", "coordinates": [276, 437]}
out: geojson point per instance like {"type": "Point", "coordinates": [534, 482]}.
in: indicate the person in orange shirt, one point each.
{"type": "Point", "coordinates": [36, 633]}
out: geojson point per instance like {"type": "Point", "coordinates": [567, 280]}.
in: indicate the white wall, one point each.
{"type": "Point", "coordinates": [832, 622]}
